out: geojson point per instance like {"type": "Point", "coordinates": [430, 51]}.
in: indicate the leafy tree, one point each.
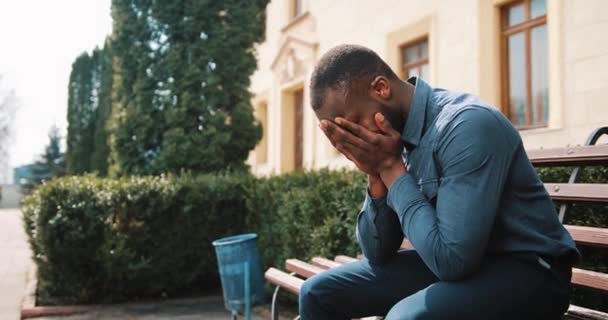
{"type": "Point", "coordinates": [181, 82]}
{"type": "Point", "coordinates": [8, 106]}
{"type": "Point", "coordinates": [51, 163]}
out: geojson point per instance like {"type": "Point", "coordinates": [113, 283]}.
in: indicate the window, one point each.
{"type": "Point", "coordinates": [262, 148]}
{"type": "Point", "coordinates": [415, 59]}
{"type": "Point", "coordinates": [524, 62]}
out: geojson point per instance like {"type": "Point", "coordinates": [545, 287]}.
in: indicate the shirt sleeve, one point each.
{"type": "Point", "coordinates": [378, 230]}
{"type": "Point", "coordinates": [474, 154]}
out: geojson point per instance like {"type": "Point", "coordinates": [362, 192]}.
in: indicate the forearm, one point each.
{"type": "Point", "coordinates": [376, 187]}
{"type": "Point", "coordinates": [390, 171]}
{"type": "Point", "coordinates": [378, 229]}
{"type": "Point", "coordinates": [418, 219]}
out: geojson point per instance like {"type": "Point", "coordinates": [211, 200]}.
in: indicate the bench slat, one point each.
{"type": "Point", "coordinates": [580, 313]}
{"type": "Point", "coordinates": [286, 281]}
{"type": "Point", "coordinates": [324, 263]}
{"type": "Point", "coordinates": [590, 279]}
{"type": "Point", "coordinates": [574, 156]}
{"type": "Point", "coordinates": [591, 236]}
{"type": "Point", "coordinates": [302, 268]}
{"type": "Point", "coordinates": [584, 192]}
{"type": "Point", "coordinates": [344, 259]}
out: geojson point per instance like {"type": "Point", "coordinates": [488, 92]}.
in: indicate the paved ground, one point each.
{"type": "Point", "coordinates": [208, 308]}
{"type": "Point", "coordinates": [14, 263]}
{"type": "Point", "coordinates": [10, 197]}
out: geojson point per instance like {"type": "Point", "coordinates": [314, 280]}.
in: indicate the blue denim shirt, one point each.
{"type": "Point", "coordinates": [470, 190]}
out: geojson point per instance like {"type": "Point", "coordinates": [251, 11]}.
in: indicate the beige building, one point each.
{"type": "Point", "coordinates": [544, 63]}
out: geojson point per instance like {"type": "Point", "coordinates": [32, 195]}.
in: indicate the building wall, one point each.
{"type": "Point", "coordinates": [463, 52]}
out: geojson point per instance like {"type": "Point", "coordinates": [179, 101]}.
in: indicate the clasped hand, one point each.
{"type": "Point", "coordinates": [372, 152]}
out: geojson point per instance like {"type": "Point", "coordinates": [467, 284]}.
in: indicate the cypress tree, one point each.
{"type": "Point", "coordinates": [181, 83]}
{"type": "Point", "coordinates": [101, 151]}
{"type": "Point", "coordinates": [81, 115]}
{"type": "Point", "coordinates": [89, 104]}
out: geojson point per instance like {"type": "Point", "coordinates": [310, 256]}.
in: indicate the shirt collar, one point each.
{"type": "Point", "coordinates": [413, 130]}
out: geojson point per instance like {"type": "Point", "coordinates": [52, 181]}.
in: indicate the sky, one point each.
{"type": "Point", "coordinates": [39, 40]}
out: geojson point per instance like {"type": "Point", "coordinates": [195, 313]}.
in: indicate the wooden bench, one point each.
{"type": "Point", "coordinates": [565, 193]}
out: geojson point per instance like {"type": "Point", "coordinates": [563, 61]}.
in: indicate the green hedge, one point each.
{"type": "Point", "coordinates": [107, 240]}
{"type": "Point", "coordinates": [306, 214]}
{"type": "Point", "coordinates": [100, 239]}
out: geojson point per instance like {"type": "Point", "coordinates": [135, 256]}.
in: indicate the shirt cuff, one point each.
{"type": "Point", "coordinates": [378, 202]}
{"type": "Point", "coordinates": [403, 194]}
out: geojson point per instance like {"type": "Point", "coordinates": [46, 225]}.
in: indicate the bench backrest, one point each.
{"type": "Point", "coordinates": [571, 192]}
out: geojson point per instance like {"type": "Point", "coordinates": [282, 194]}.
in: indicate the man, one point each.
{"type": "Point", "coordinates": [451, 174]}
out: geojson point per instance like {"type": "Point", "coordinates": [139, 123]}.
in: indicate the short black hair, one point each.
{"type": "Point", "coordinates": [344, 67]}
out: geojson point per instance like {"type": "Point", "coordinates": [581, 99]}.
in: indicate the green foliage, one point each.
{"type": "Point", "coordinates": [306, 214]}
{"type": "Point", "coordinates": [50, 165]}
{"type": "Point", "coordinates": [101, 150]}
{"type": "Point", "coordinates": [100, 239]}
{"type": "Point", "coordinates": [181, 84]}
{"type": "Point", "coordinates": [89, 104]}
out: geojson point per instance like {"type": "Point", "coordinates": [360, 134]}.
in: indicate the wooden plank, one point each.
{"type": "Point", "coordinates": [590, 279]}
{"type": "Point", "coordinates": [591, 236]}
{"type": "Point", "coordinates": [580, 313]}
{"type": "Point", "coordinates": [284, 280]}
{"type": "Point", "coordinates": [587, 192]}
{"type": "Point", "coordinates": [345, 259]}
{"type": "Point", "coordinates": [302, 268]}
{"type": "Point", "coordinates": [572, 156]}
{"type": "Point", "coordinates": [324, 263]}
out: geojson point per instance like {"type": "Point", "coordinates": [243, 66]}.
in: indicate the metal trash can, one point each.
{"type": "Point", "coordinates": [240, 269]}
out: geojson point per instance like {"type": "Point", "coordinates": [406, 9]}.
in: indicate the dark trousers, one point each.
{"type": "Point", "coordinates": [504, 287]}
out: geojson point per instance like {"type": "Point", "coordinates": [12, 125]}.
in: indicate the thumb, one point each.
{"type": "Point", "coordinates": [382, 123]}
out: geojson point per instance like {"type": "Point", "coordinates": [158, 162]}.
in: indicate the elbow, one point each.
{"type": "Point", "coordinates": [379, 257]}
{"type": "Point", "coordinates": [374, 252]}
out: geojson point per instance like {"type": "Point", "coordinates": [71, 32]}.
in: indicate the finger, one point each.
{"type": "Point", "coordinates": [326, 133]}
{"type": "Point", "coordinates": [338, 134]}
{"type": "Point", "coordinates": [384, 124]}
{"type": "Point", "coordinates": [354, 151]}
{"type": "Point", "coordinates": [358, 130]}
{"type": "Point", "coordinates": [340, 147]}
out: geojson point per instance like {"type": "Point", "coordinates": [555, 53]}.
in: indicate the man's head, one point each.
{"type": "Point", "coordinates": [353, 82]}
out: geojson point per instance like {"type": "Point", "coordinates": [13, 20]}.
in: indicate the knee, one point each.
{"type": "Point", "coordinates": [310, 291]}
{"type": "Point", "coordinates": [319, 292]}
{"type": "Point", "coordinates": [412, 308]}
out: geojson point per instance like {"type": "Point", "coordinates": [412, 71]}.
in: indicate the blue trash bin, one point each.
{"type": "Point", "coordinates": [240, 269]}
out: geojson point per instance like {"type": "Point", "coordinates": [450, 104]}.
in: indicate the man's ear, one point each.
{"type": "Point", "coordinates": [381, 88]}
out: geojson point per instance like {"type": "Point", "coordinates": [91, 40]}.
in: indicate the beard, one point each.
{"type": "Point", "coordinates": [394, 115]}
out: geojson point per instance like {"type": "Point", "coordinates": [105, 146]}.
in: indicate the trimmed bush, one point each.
{"type": "Point", "coordinates": [107, 240]}
{"type": "Point", "coordinates": [306, 214]}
